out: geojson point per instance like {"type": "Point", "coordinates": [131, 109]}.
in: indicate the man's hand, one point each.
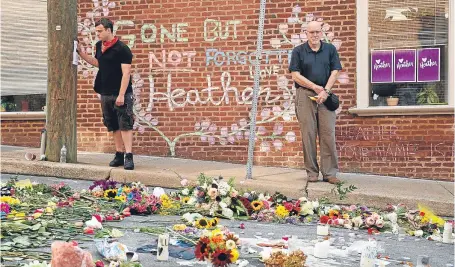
{"type": "Point", "coordinates": [318, 89]}
{"type": "Point", "coordinates": [120, 101]}
{"type": "Point", "coordinates": [322, 96]}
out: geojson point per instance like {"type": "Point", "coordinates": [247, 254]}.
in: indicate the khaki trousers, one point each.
{"type": "Point", "coordinates": [315, 120]}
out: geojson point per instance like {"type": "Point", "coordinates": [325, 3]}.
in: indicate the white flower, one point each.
{"type": "Point", "coordinates": [192, 201]}
{"type": "Point", "coordinates": [261, 197]}
{"type": "Point", "coordinates": [418, 233]}
{"type": "Point", "coordinates": [185, 192]}
{"type": "Point", "coordinates": [204, 186]}
{"type": "Point", "coordinates": [223, 205]}
{"type": "Point", "coordinates": [158, 192]}
{"type": "Point", "coordinates": [303, 199]}
{"type": "Point", "coordinates": [226, 200]}
{"type": "Point", "coordinates": [357, 221]}
{"type": "Point", "coordinates": [380, 223]}
{"type": "Point", "coordinates": [392, 217]}
{"type": "Point", "coordinates": [228, 213]}
{"type": "Point", "coordinates": [307, 209]}
{"type": "Point", "coordinates": [315, 204]}
{"type": "Point", "coordinates": [230, 244]}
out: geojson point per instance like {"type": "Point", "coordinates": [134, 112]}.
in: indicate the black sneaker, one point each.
{"type": "Point", "coordinates": [129, 164]}
{"type": "Point", "coordinates": [118, 160]}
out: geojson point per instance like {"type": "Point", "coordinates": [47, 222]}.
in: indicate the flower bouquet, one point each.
{"type": "Point", "coordinates": [217, 248]}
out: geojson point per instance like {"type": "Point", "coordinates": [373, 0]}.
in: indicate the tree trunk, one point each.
{"type": "Point", "coordinates": [62, 79]}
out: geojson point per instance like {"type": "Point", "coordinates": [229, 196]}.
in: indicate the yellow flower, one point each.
{"type": "Point", "coordinates": [24, 184]}
{"type": "Point", "coordinates": [213, 222]}
{"type": "Point", "coordinates": [110, 193]}
{"type": "Point", "coordinates": [234, 255]}
{"type": "Point", "coordinates": [126, 189]}
{"type": "Point", "coordinates": [37, 215]}
{"type": "Point", "coordinates": [230, 244]}
{"type": "Point", "coordinates": [14, 214]}
{"type": "Point", "coordinates": [257, 205]}
{"type": "Point", "coordinates": [122, 198]}
{"type": "Point", "coordinates": [49, 210]}
{"type": "Point", "coordinates": [281, 211]}
{"type": "Point", "coordinates": [333, 213]}
{"type": "Point", "coordinates": [345, 216]}
{"type": "Point", "coordinates": [185, 200]}
{"type": "Point", "coordinates": [425, 220]}
{"type": "Point", "coordinates": [51, 204]}
{"type": "Point", "coordinates": [202, 223]}
{"type": "Point", "coordinates": [10, 200]}
{"type": "Point", "coordinates": [179, 227]}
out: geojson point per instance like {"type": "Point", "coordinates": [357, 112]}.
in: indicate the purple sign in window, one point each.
{"type": "Point", "coordinates": [428, 65]}
{"type": "Point", "coordinates": [382, 66]}
{"type": "Point", "coordinates": [405, 65]}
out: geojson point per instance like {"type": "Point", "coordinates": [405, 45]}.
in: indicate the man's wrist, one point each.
{"type": "Point", "coordinates": [328, 90]}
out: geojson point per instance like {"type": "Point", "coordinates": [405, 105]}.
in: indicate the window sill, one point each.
{"type": "Point", "coordinates": [23, 116]}
{"type": "Point", "coordinates": [403, 110]}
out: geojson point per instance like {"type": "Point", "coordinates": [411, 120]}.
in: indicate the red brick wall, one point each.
{"type": "Point", "coordinates": [410, 146]}
{"type": "Point", "coordinates": [22, 133]}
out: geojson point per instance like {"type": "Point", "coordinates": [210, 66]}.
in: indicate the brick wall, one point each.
{"type": "Point", "coordinates": [194, 102]}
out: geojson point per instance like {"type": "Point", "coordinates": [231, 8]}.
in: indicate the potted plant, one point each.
{"type": "Point", "coordinates": [428, 95]}
{"type": "Point", "coordinates": [392, 100]}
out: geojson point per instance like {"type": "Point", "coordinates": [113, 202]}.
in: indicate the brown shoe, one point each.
{"type": "Point", "coordinates": [331, 180]}
{"type": "Point", "coordinates": [312, 179]}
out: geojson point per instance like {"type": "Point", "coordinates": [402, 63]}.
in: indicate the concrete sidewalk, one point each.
{"type": "Point", "coordinates": [373, 190]}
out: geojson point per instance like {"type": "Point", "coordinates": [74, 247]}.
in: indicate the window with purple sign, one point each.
{"type": "Point", "coordinates": [409, 46]}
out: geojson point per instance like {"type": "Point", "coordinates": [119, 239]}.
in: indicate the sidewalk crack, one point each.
{"type": "Point", "coordinates": [446, 189]}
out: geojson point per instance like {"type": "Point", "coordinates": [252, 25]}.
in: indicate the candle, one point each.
{"type": "Point", "coordinates": [447, 234]}
{"type": "Point", "coordinates": [322, 229]}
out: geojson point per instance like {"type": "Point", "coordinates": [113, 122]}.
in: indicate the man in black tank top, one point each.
{"type": "Point", "coordinates": [113, 83]}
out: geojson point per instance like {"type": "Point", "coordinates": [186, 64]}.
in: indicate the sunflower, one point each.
{"type": "Point", "coordinates": [202, 249]}
{"type": "Point", "coordinates": [122, 198]}
{"type": "Point", "coordinates": [221, 257]}
{"type": "Point", "coordinates": [110, 193]}
{"type": "Point", "coordinates": [232, 237]}
{"type": "Point", "coordinates": [214, 222]}
{"type": "Point", "coordinates": [281, 211]}
{"type": "Point", "coordinates": [333, 213]}
{"type": "Point", "coordinates": [234, 255]}
{"type": "Point", "coordinates": [202, 223]}
{"type": "Point", "coordinates": [185, 200]}
{"type": "Point", "coordinates": [257, 205]}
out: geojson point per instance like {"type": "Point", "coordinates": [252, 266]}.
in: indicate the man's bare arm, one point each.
{"type": "Point", "coordinates": [332, 79]}
{"type": "Point", "coordinates": [304, 82]}
{"type": "Point", "coordinates": [90, 60]}
{"type": "Point", "coordinates": [126, 73]}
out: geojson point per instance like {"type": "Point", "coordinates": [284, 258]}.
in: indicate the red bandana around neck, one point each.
{"type": "Point", "coordinates": [107, 44]}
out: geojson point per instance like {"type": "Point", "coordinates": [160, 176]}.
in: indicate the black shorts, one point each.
{"type": "Point", "coordinates": [117, 118]}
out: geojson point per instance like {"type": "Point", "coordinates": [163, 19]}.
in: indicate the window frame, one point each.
{"type": "Point", "coordinates": [362, 72]}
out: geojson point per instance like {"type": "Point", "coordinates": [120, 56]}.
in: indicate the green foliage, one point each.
{"type": "Point", "coordinates": [342, 191]}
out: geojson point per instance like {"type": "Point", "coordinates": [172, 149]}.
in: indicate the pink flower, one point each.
{"type": "Point", "coordinates": [370, 221]}
{"type": "Point", "coordinates": [5, 208]}
{"type": "Point", "coordinates": [380, 223]}
{"type": "Point", "coordinates": [213, 193]}
{"type": "Point", "coordinates": [266, 204]}
{"type": "Point", "coordinates": [184, 182]}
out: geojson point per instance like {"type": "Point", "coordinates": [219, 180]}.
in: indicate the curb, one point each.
{"type": "Point", "coordinates": [168, 179]}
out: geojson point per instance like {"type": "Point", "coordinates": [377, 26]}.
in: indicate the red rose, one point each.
{"type": "Point", "coordinates": [99, 263]}
{"type": "Point", "coordinates": [422, 213]}
{"type": "Point", "coordinates": [324, 219]}
{"type": "Point", "coordinates": [109, 218]}
{"type": "Point", "coordinates": [288, 206]}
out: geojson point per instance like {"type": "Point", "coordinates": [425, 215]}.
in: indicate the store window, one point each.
{"type": "Point", "coordinates": [24, 55]}
{"type": "Point", "coordinates": [408, 47]}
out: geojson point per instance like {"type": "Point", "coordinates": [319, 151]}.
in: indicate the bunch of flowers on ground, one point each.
{"type": "Point", "coordinates": [217, 247]}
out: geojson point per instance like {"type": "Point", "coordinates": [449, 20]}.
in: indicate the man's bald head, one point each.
{"type": "Point", "coordinates": [314, 25]}
{"type": "Point", "coordinates": [314, 33]}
